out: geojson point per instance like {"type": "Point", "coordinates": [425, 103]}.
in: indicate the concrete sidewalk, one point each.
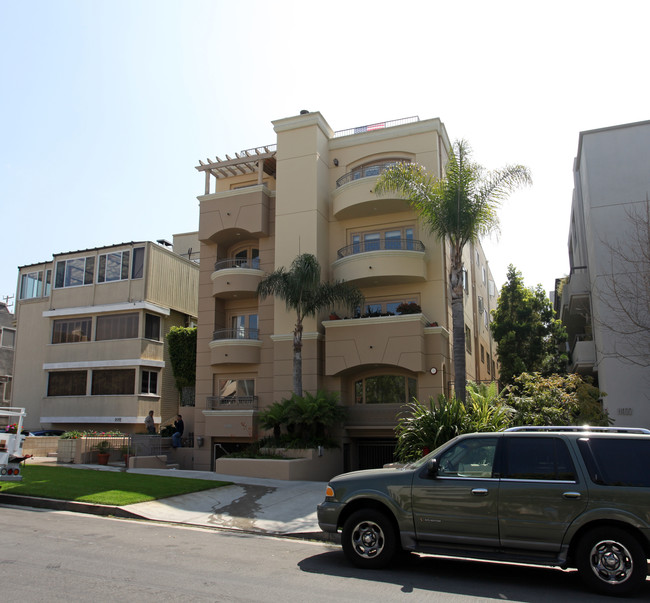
{"type": "Point", "coordinates": [274, 507]}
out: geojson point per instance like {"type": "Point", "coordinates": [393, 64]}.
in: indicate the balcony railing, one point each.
{"type": "Point", "coordinates": [367, 171]}
{"type": "Point", "coordinates": [231, 403]}
{"type": "Point", "coordinates": [378, 126]}
{"type": "Point", "coordinates": [381, 245]}
{"type": "Point", "coordinates": [236, 334]}
{"type": "Point", "coordinates": [253, 264]}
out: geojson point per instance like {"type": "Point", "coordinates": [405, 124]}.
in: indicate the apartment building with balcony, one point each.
{"type": "Point", "coordinates": [312, 191]}
{"type": "Point", "coordinates": [605, 293]}
{"type": "Point", "coordinates": [90, 341]}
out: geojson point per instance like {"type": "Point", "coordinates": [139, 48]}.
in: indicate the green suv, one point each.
{"type": "Point", "coordinates": [560, 496]}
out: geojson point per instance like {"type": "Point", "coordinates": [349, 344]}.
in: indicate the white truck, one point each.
{"type": "Point", "coordinates": [11, 443]}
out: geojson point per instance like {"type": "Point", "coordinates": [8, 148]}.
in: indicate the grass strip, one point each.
{"type": "Point", "coordinates": [102, 487]}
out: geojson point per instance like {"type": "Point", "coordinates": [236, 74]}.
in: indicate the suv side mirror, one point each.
{"type": "Point", "coordinates": [432, 467]}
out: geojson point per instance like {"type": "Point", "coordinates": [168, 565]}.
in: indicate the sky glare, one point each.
{"type": "Point", "coordinates": [107, 105]}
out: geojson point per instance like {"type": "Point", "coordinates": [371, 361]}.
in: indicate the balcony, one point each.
{"type": "Point", "coordinates": [227, 216]}
{"type": "Point", "coordinates": [583, 355]}
{"type": "Point", "coordinates": [384, 261]}
{"type": "Point", "coordinates": [388, 340]}
{"type": "Point", "coordinates": [235, 346]}
{"type": "Point", "coordinates": [354, 195]}
{"type": "Point", "coordinates": [236, 278]}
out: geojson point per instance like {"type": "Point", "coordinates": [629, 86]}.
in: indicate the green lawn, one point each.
{"type": "Point", "coordinates": [102, 487]}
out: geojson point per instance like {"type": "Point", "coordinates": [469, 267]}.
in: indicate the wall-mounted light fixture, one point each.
{"type": "Point", "coordinates": [336, 162]}
{"type": "Point", "coordinates": [199, 441]}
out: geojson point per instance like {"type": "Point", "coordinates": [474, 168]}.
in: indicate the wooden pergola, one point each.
{"type": "Point", "coordinates": [260, 160]}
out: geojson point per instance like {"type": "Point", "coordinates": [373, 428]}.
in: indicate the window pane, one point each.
{"type": "Point", "coordinates": [152, 327]}
{"type": "Point", "coordinates": [71, 330]}
{"type": "Point", "coordinates": [538, 459]}
{"type": "Point", "coordinates": [75, 272]}
{"type": "Point", "coordinates": [137, 270]}
{"type": "Point", "coordinates": [60, 275]}
{"type": "Point", "coordinates": [31, 285]}
{"type": "Point", "coordinates": [113, 382]}
{"type": "Point", "coordinates": [117, 326]}
{"type": "Point", "coordinates": [393, 239]}
{"type": "Point", "coordinates": [358, 392]}
{"type": "Point", "coordinates": [473, 457]}
{"type": "Point", "coordinates": [617, 462]}
{"type": "Point", "coordinates": [245, 387]}
{"type": "Point", "coordinates": [90, 271]}
{"type": "Point", "coordinates": [149, 382]}
{"type": "Point", "coordinates": [125, 265]}
{"type": "Point", "coordinates": [385, 389]}
{"type": "Point", "coordinates": [48, 283]}
{"type": "Point", "coordinates": [371, 241]}
{"type": "Point", "coordinates": [66, 383]}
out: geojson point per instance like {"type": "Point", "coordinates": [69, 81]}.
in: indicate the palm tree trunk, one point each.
{"type": "Point", "coordinates": [458, 328]}
{"type": "Point", "coordinates": [297, 358]}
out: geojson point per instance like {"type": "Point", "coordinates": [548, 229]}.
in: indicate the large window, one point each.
{"type": "Point", "coordinates": [71, 330]}
{"type": "Point", "coordinates": [247, 258]}
{"type": "Point", "coordinates": [117, 326]}
{"type": "Point", "coordinates": [113, 267]}
{"type": "Point", "coordinates": [152, 327]}
{"type": "Point", "coordinates": [31, 285]}
{"type": "Point", "coordinates": [113, 382]}
{"type": "Point", "coordinates": [384, 308]}
{"type": "Point", "coordinates": [149, 382]}
{"type": "Point", "coordinates": [399, 238]}
{"type": "Point", "coordinates": [74, 272]}
{"type": "Point", "coordinates": [67, 383]}
{"type": "Point", "coordinates": [385, 389]}
{"type": "Point", "coordinates": [8, 338]}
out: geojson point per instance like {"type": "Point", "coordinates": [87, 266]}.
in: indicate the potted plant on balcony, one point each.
{"type": "Point", "coordinates": [103, 452]}
{"type": "Point", "coordinates": [409, 308]}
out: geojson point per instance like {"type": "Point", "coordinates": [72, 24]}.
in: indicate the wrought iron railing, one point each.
{"type": "Point", "coordinates": [367, 171]}
{"type": "Point", "coordinates": [231, 402]}
{"type": "Point", "coordinates": [381, 245]}
{"type": "Point", "coordinates": [253, 264]}
{"type": "Point", "coordinates": [239, 333]}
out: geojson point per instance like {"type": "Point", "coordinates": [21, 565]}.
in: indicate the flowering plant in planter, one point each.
{"type": "Point", "coordinates": [409, 308]}
{"type": "Point", "coordinates": [13, 428]}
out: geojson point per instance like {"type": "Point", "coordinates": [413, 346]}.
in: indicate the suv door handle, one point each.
{"type": "Point", "coordinates": [480, 491]}
{"type": "Point", "coordinates": [572, 495]}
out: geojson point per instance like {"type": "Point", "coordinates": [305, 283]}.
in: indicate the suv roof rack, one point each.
{"type": "Point", "coordinates": [579, 428]}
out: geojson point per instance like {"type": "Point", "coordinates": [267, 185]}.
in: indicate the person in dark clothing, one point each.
{"type": "Point", "coordinates": [179, 427]}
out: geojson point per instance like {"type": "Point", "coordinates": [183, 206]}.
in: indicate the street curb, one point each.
{"type": "Point", "coordinates": [122, 513]}
{"type": "Point", "coordinates": [68, 505]}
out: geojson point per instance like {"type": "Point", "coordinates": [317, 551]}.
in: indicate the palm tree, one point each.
{"type": "Point", "coordinates": [459, 208]}
{"type": "Point", "coordinates": [302, 291]}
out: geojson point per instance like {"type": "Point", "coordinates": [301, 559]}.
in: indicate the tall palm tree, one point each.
{"type": "Point", "coordinates": [302, 291]}
{"type": "Point", "coordinates": [458, 208]}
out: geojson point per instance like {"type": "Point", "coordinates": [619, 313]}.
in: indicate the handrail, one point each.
{"type": "Point", "coordinates": [239, 333]}
{"type": "Point", "coordinates": [216, 402]}
{"type": "Point", "coordinates": [253, 264]}
{"type": "Point", "coordinates": [381, 245]}
{"type": "Point", "coordinates": [368, 171]}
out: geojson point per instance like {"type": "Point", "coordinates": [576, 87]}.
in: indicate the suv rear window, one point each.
{"type": "Point", "coordinates": [617, 462]}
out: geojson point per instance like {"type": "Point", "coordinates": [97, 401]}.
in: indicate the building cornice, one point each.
{"type": "Point", "coordinates": [102, 309]}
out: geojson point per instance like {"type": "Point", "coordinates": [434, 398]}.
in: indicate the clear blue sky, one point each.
{"type": "Point", "coordinates": [107, 105]}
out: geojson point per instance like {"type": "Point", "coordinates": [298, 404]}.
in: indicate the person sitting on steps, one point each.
{"type": "Point", "coordinates": [178, 432]}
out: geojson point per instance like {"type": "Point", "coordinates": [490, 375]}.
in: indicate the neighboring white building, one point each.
{"type": "Point", "coordinates": [604, 302]}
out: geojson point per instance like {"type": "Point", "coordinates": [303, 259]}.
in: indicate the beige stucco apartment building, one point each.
{"type": "Point", "coordinates": [312, 191]}
{"type": "Point", "coordinates": [90, 340]}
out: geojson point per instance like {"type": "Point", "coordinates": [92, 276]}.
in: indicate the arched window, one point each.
{"type": "Point", "coordinates": [385, 389]}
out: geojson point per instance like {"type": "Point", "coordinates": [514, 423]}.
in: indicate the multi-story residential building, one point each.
{"type": "Point", "coordinates": [7, 344]}
{"type": "Point", "coordinates": [605, 300]}
{"type": "Point", "coordinates": [313, 192]}
{"type": "Point", "coordinates": [90, 346]}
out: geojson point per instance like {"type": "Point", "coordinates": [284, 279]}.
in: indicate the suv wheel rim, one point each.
{"type": "Point", "coordinates": [611, 562]}
{"type": "Point", "coordinates": [368, 539]}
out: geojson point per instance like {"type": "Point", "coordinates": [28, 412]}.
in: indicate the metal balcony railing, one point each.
{"type": "Point", "coordinates": [253, 264]}
{"type": "Point", "coordinates": [367, 171]}
{"type": "Point", "coordinates": [231, 402]}
{"type": "Point", "coordinates": [239, 333]}
{"type": "Point", "coordinates": [381, 245]}
{"type": "Point", "coordinates": [377, 126]}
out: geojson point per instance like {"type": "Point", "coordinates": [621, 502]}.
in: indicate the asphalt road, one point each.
{"type": "Point", "coordinates": [60, 556]}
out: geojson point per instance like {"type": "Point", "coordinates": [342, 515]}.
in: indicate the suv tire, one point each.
{"type": "Point", "coordinates": [611, 561]}
{"type": "Point", "coordinates": [369, 540]}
